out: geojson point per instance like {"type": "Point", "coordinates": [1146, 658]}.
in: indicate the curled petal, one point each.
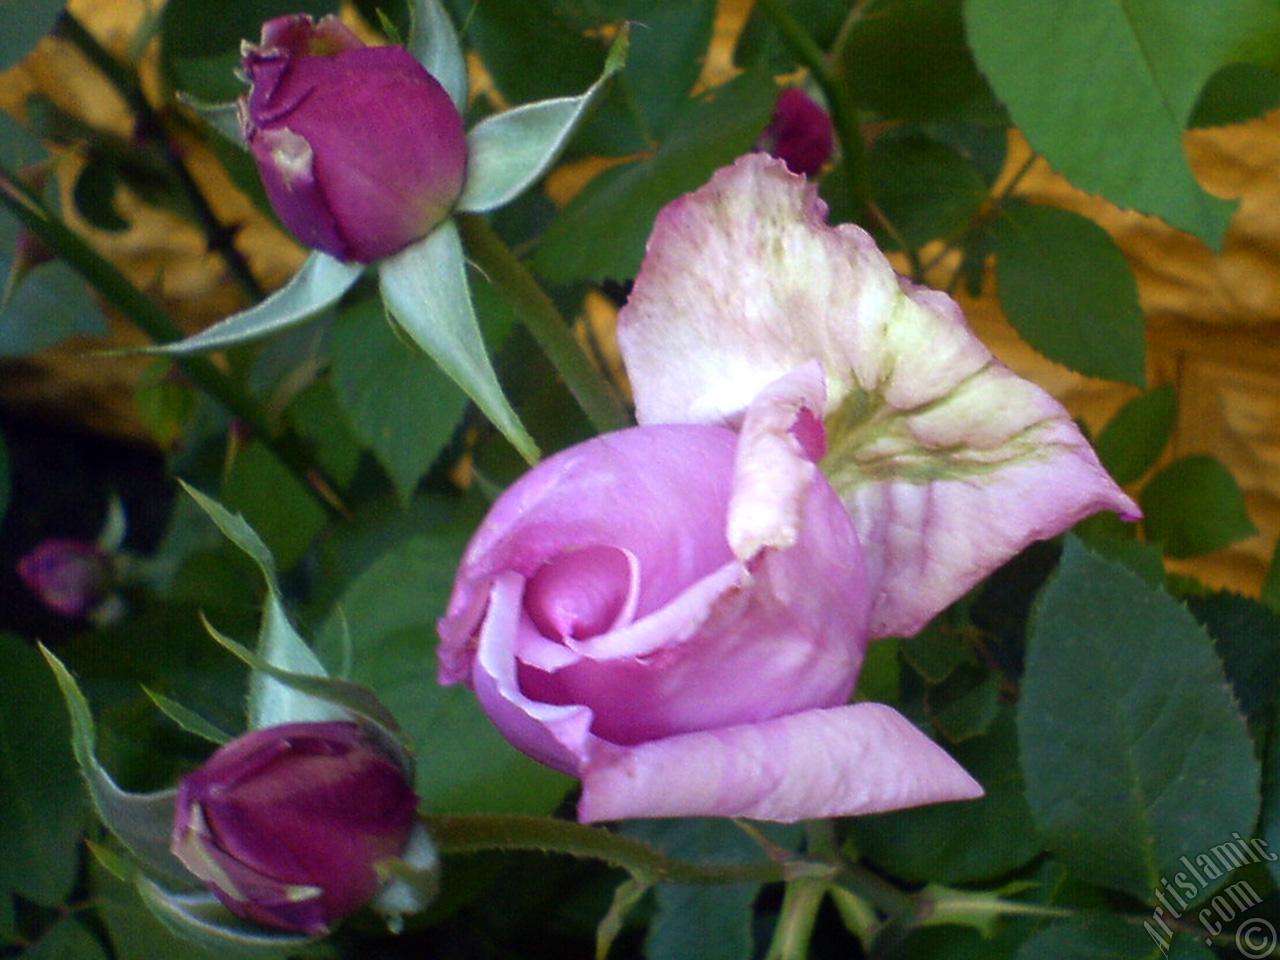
{"type": "Point", "coordinates": [840, 761]}
{"type": "Point", "coordinates": [948, 463]}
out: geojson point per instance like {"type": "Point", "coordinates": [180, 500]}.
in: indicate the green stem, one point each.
{"type": "Point", "coordinates": [541, 318]}
{"type": "Point", "coordinates": [149, 127]}
{"type": "Point", "coordinates": [844, 112]}
{"type": "Point", "coordinates": [144, 313]}
{"type": "Point", "coordinates": [476, 833]}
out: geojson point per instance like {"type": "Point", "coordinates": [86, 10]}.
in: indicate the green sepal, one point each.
{"type": "Point", "coordinates": [411, 880]}
{"type": "Point", "coordinates": [508, 152]}
{"type": "Point", "coordinates": [200, 918]}
{"type": "Point", "coordinates": [425, 288]}
{"type": "Point", "coordinates": [143, 822]}
{"type": "Point", "coordinates": [187, 719]}
{"type": "Point", "coordinates": [319, 283]}
{"type": "Point", "coordinates": [434, 44]}
{"type": "Point", "coordinates": [223, 117]}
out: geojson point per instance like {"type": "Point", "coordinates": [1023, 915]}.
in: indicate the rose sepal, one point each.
{"type": "Point", "coordinates": [434, 44]}
{"type": "Point", "coordinates": [412, 880]}
{"type": "Point", "coordinates": [511, 150]}
{"type": "Point", "coordinates": [197, 916]}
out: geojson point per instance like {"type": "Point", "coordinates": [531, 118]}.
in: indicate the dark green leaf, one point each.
{"type": "Point", "coordinates": [668, 46]}
{"type": "Point", "coordinates": [1236, 93]}
{"type": "Point", "coordinates": [389, 612]}
{"type": "Point", "coordinates": [1092, 937]}
{"type": "Point", "coordinates": [188, 30]}
{"type": "Point", "coordinates": [94, 195]}
{"type": "Point", "coordinates": [964, 704]}
{"type": "Point", "coordinates": [317, 416]}
{"type": "Point", "coordinates": [1194, 506]}
{"type": "Point", "coordinates": [42, 803]}
{"type": "Point", "coordinates": [1269, 821]}
{"type": "Point", "coordinates": [399, 403]}
{"type": "Point", "coordinates": [1105, 88]}
{"type": "Point", "coordinates": [1068, 289]}
{"type": "Point", "coordinates": [1271, 585]}
{"type": "Point", "coordinates": [908, 60]}
{"type": "Point", "coordinates": [26, 21]}
{"type": "Point", "coordinates": [601, 234]}
{"type": "Point", "coordinates": [925, 189]}
{"type": "Point", "coordinates": [1132, 442]}
{"type": "Point", "coordinates": [960, 842]}
{"type": "Point", "coordinates": [274, 502]}
{"type": "Point", "coordinates": [1133, 750]}
{"type": "Point", "coordinates": [761, 46]}
{"type": "Point", "coordinates": [135, 932]}
{"type": "Point", "coordinates": [1246, 635]}
{"type": "Point", "coordinates": [66, 940]}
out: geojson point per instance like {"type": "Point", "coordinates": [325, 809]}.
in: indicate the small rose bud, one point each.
{"type": "Point", "coordinates": [69, 576]}
{"type": "Point", "coordinates": [287, 825]}
{"type": "Point", "coordinates": [360, 149]}
{"type": "Point", "coordinates": [799, 134]}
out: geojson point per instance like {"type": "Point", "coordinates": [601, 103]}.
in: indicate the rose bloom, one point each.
{"type": "Point", "coordinates": [360, 149]}
{"type": "Point", "coordinates": [613, 631]}
{"type": "Point", "coordinates": [286, 825]}
{"type": "Point", "coordinates": [800, 133]}
{"type": "Point", "coordinates": [71, 577]}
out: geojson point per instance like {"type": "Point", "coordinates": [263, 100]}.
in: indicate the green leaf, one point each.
{"type": "Point", "coordinates": [399, 403]}
{"type": "Point", "coordinates": [602, 232]}
{"type": "Point", "coordinates": [66, 940]}
{"type": "Point", "coordinates": [26, 22]}
{"type": "Point", "coordinates": [425, 288]}
{"type": "Point", "coordinates": [142, 822]}
{"type": "Point", "coordinates": [94, 194]}
{"type": "Point", "coordinates": [908, 60]}
{"type": "Point", "coordinates": [434, 43]}
{"type": "Point", "coordinates": [960, 842]}
{"type": "Point", "coordinates": [669, 46]}
{"type": "Point", "coordinates": [710, 923]}
{"type": "Point", "coordinates": [1236, 93]}
{"type": "Point", "coordinates": [1092, 937]}
{"type": "Point", "coordinates": [1271, 585]}
{"type": "Point", "coordinates": [136, 933]}
{"type": "Point", "coordinates": [1194, 506]}
{"type": "Point", "coordinates": [1132, 442]}
{"type": "Point", "coordinates": [508, 152]}
{"type": "Point", "coordinates": [1269, 821]}
{"type": "Point", "coordinates": [187, 718]}
{"type": "Point", "coordinates": [319, 283]}
{"type": "Point", "coordinates": [1133, 750]}
{"type": "Point", "coordinates": [389, 610]}
{"type": "Point", "coordinates": [275, 502]}
{"type": "Point", "coordinates": [925, 189]}
{"type": "Point", "coordinates": [42, 807]}
{"type": "Point", "coordinates": [1105, 88]}
{"type": "Point", "coordinates": [1068, 289]}
{"type": "Point", "coordinates": [1246, 635]}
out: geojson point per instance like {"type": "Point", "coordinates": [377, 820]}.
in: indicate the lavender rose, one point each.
{"type": "Point", "coordinates": [635, 612]}
{"type": "Point", "coordinates": [287, 824]}
{"type": "Point", "coordinates": [360, 149]}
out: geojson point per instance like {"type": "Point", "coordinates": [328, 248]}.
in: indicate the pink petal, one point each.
{"type": "Point", "coordinates": [840, 761]}
{"type": "Point", "coordinates": [948, 463]}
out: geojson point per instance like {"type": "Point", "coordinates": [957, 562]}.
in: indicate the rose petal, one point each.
{"type": "Point", "coordinates": [948, 462]}
{"type": "Point", "coordinates": [842, 761]}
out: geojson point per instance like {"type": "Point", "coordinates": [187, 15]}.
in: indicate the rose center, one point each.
{"type": "Point", "coordinates": [583, 593]}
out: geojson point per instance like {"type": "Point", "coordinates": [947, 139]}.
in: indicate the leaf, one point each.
{"type": "Point", "coordinates": [908, 60]}
{"type": "Point", "coordinates": [280, 508]}
{"type": "Point", "coordinates": [425, 288]}
{"type": "Point", "coordinates": [1194, 506]}
{"type": "Point", "coordinates": [1092, 937]}
{"type": "Point", "coordinates": [319, 283]}
{"type": "Point", "coordinates": [142, 822]}
{"type": "Point", "coordinates": [925, 189]}
{"type": "Point", "coordinates": [41, 802]}
{"type": "Point", "coordinates": [434, 43]}
{"type": "Point", "coordinates": [67, 939]}
{"type": "Point", "coordinates": [960, 842]}
{"type": "Point", "coordinates": [1270, 594]}
{"type": "Point", "coordinates": [1133, 750]}
{"type": "Point", "coordinates": [26, 22]}
{"type": "Point", "coordinates": [1068, 289]}
{"type": "Point", "coordinates": [508, 152]}
{"type": "Point", "coordinates": [1246, 635]}
{"type": "Point", "coordinates": [389, 610]}
{"type": "Point", "coordinates": [1237, 93]}
{"type": "Point", "coordinates": [400, 404]}
{"type": "Point", "coordinates": [1105, 88]}
{"type": "Point", "coordinates": [602, 232]}
{"type": "Point", "coordinates": [1132, 442]}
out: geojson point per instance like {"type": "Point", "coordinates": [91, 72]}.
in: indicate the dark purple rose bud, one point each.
{"type": "Point", "coordinates": [799, 134]}
{"type": "Point", "coordinates": [287, 825]}
{"type": "Point", "coordinates": [360, 149]}
{"type": "Point", "coordinates": [69, 576]}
